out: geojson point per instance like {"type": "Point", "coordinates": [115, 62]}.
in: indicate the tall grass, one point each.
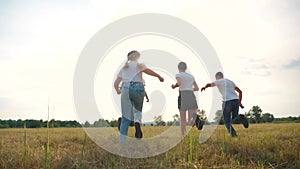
{"type": "Point", "coordinates": [260, 146]}
{"type": "Point", "coordinates": [26, 149]}
{"type": "Point", "coordinates": [82, 153]}
{"type": "Point", "coordinates": [47, 164]}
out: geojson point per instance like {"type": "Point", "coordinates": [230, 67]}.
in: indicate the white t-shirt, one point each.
{"type": "Point", "coordinates": [187, 81]}
{"type": "Point", "coordinates": [227, 89]}
{"type": "Point", "coordinates": [132, 73]}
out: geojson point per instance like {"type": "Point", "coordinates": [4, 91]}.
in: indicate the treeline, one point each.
{"type": "Point", "coordinates": [287, 119]}
{"type": "Point", "coordinates": [101, 123]}
{"type": "Point", "coordinates": [37, 123]}
{"type": "Point", "coordinates": [254, 115]}
{"type": "Point", "coordinates": [54, 123]}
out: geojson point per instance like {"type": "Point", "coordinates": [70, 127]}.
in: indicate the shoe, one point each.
{"type": "Point", "coordinates": [244, 120]}
{"type": "Point", "coordinates": [199, 124]}
{"type": "Point", "coordinates": [138, 130]}
{"type": "Point", "coordinates": [119, 123]}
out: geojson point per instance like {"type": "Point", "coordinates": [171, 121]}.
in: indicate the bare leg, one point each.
{"type": "Point", "coordinates": [183, 121]}
{"type": "Point", "coordinates": [191, 121]}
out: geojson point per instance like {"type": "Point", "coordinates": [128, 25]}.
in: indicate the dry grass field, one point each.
{"type": "Point", "coordinates": [260, 146]}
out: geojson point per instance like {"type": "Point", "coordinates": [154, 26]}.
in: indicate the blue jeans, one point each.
{"type": "Point", "coordinates": [124, 129]}
{"type": "Point", "coordinates": [132, 99]}
{"type": "Point", "coordinates": [136, 95]}
{"type": "Point", "coordinates": [230, 114]}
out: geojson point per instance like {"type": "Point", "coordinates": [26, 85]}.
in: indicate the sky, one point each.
{"type": "Point", "coordinates": [257, 43]}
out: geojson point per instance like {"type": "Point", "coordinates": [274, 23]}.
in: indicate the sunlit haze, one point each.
{"type": "Point", "coordinates": [257, 43]}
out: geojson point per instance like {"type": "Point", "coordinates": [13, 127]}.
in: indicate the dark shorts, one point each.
{"type": "Point", "coordinates": [187, 101]}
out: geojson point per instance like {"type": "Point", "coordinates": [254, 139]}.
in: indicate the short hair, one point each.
{"type": "Point", "coordinates": [131, 52]}
{"type": "Point", "coordinates": [182, 66]}
{"type": "Point", "coordinates": [133, 55]}
{"type": "Point", "coordinates": [219, 74]}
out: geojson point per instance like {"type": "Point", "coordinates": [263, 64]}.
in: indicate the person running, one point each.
{"type": "Point", "coordinates": [186, 100]}
{"type": "Point", "coordinates": [132, 93]}
{"type": "Point", "coordinates": [231, 102]}
{"type": "Point", "coordinates": [132, 122]}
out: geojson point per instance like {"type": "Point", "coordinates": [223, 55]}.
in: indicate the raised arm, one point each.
{"type": "Point", "coordinates": [240, 95]}
{"type": "Point", "coordinates": [208, 85]}
{"type": "Point", "coordinates": [152, 73]}
{"type": "Point", "coordinates": [116, 85]}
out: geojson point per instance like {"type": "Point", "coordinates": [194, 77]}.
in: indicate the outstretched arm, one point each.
{"type": "Point", "coordinates": [208, 85]}
{"type": "Point", "coordinates": [240, 95]}
{"type": "Point", "coordinates": [116, 85]}
{"type": "Point", "coordinates": [152, 73]}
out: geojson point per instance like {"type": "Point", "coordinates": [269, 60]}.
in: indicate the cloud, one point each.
{"type": "Point", "coordinates": [255, 67]}
{"type": "Point", "coordinates": [293, 64]}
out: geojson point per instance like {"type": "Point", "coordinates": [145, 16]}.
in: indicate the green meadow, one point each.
{"type": "Point", "coordinates": [260, 146]}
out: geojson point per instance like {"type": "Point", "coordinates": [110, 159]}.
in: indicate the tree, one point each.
{"type": "Point", "coordinates": [255, 113]}
{"type": "Point", "coordinates": [170, 123]}
{"type": "Point", "coordinates": [19, 123]}
{"type": "Point", "coordinates": [87, 124]}
{"type": "Point", "coordinates": [114, 123]}
{"type": "Point", "coordinates": [159, 121]}
{"type": "Point", "coordinates": [32, 123]}
{"type": "Point", "coordinates": [267, 117]}
{"type": "Point", "coordinates": [100, 123]}
{"type": "Point", "coordinates": [176, 120]}
{"type": "Point", "coordinates": [54, 123]}
{"type": "Point", "coordinates": [3, 124]}
{"type": "Point", "coordinates": [202, 115]}
{"type": "Point", "coordinates": [10, 123]}
{"type": "Point", "coordinates": [219, 117]}
{"type": "Point", "coordinates": [249, 117]}
{"type": "Point", "coordinates": [175, 117]}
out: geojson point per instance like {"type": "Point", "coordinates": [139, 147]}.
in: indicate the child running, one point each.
{"type": "Point", "coordinates": [132, 93]}
{"type": "Point", "coordinates": [231, 102]}
{"type": "Point", "coordinates": [186, 100]}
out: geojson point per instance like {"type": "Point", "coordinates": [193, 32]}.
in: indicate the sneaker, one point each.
{"type": "Point", "coordinates": [119, 123]}
{"type": "Point", "coordinates": [244, 120]}
{"type": "Point", "coordinates": [138, 130]}
{"type": "Point", "coordinates": [199, 124]}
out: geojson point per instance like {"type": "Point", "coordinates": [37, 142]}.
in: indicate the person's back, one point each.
{"type": "Point", "coordinates": [227, 89]}
{"type": "Point", "coordinates": [187, 81]}
{"type": "Point", "coordinates": [131, 72]}
{"type": "Point", "coordinates": [132, 93]}
{"type": "Point", "coordinates": [231, 102]}
{"type": "Point", "coordinates": [186, 99]}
